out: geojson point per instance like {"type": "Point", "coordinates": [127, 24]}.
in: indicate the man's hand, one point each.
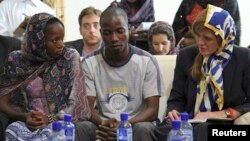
{"type": "Point", "coordinates": [107, 130]}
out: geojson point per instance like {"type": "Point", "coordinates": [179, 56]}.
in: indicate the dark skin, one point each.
{"type": "Point", "coordinates": [34, 120]}
{"type": "Point", "coordinates": [54, 34]}
{"type": "Point", "coordinates": [115, 34]}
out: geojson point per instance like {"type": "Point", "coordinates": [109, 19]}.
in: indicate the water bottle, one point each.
{"type": "Point", "coordinates": [69, 128]}
{"type": "Point", "coordinates": [186, 127]}
{"type": "Point", "coordinates": [175, 133]}
{"type": "Point", "coordinates": [124, 129]}
{"type": "Point", "coordinates": [57, 132]}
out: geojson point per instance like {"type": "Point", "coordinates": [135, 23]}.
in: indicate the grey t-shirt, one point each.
{"type": "Point", "coordinates": [122, 88]}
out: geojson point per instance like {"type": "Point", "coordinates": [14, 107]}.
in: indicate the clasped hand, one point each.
{"type": "Point", "coordinates": [107, 130]}
{"type": "Point", "coordinates": [36, 120]}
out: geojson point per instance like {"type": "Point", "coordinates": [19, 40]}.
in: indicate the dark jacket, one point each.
{"type": "Point", "coordinates": [77, 44]}
{"type": "Point", "coordinates": [236, 82]}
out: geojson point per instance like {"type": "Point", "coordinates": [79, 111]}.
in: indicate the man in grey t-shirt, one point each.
{"type": "Point", "coordinates": [121, 78]}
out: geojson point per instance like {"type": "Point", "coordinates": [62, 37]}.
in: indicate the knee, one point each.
{"type": "Point", "coordinates": [143, 127]}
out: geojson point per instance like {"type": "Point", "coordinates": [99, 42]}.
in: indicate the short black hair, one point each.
{"type": "Point", "coordinates": [113, 10]}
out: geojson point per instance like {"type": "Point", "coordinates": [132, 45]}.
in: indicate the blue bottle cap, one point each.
{"type": "Point", "coordinates": [68, 117]}
{"type": "Point", "coordinates": [176, 124]}
{"type": "Point", "coordinates": [124, 116]}
{"type": "Point", "coordinates": [56, 126]}
{"type": "Point", "coordinates": [184, 116]}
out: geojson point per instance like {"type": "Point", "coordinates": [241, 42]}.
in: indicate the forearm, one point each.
{"type": "Point", "coordinates": [148, 114]}
{"type": "Point", "coordinates": [95, 117]}
{"type": "Point", "coordinates": [14, 115]}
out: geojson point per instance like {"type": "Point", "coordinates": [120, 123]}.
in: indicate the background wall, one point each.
{"type": "Point", "coordinates": [163, 11]}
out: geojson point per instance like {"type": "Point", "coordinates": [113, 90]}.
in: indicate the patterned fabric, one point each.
{"type": "Point", "coordinates": [165, 28]}
{"type": "Point", "coordinates": [210, 89]}
{"type": "Point", "coordinates": [20, 131]}
{"type": "Point", "coordinates": [62, 77]}
{"type": "Point", "coordinates": [144, 14]}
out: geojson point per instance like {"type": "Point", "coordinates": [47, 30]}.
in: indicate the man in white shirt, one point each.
{"type": "Point", "coordinates": [15, 12]}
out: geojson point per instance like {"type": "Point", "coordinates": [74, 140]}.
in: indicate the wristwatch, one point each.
{"type": "Point", "coordinates": [227, 112]}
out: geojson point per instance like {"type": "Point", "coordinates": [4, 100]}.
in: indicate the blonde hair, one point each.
{"type": "Point", "coordinates": [196, 27]}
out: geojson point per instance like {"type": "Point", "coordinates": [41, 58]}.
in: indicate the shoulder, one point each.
{"type": "Point", "coordinates": [71, 53]}
{"type": "Point", "coordinates": [189, 52]}
{"type": "Point", "coordinates": [241, 53]}
{"type": "Point", "coordinates": [74, 43]}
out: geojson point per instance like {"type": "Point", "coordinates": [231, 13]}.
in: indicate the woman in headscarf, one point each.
{"type": "Point", "coordinates": [189, 9]}
{"type": "Point", "coordinates": [42, 82]}
{"type": "Point", "coordinates": [211, 79]}
{"type": "Point", "coordinates": [161, 39]}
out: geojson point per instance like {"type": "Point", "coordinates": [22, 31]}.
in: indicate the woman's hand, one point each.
{"type": "Point", "coordinates": [173, 115]}
{"type": "Point", "coordinates": [215, 114]}
{"type": "Point", "coordinates": [36, 120]}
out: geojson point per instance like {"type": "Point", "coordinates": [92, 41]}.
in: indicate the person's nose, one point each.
{"type": "Point", "coordinates": [60, 44]}
{"type": "Point", "coordinates": [114, 37]}
{"type": "Point", "coordinates": [160, 47]}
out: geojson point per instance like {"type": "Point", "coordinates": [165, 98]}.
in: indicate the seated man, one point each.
{"type": "Point", "coordinates": [90, 31]}
{"type": "Point", "coordinates": [121, 78]}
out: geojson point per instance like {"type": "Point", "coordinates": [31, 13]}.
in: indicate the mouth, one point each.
{"type": "Point", "coordinates": [92, 37]}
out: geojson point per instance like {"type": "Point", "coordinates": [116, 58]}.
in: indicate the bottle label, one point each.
{"type": "Point", "coordinates": [69, 133]}
{"type": "Point", "coordinates": [124, 134]}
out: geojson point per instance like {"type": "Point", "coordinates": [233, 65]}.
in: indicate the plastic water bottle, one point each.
{"type": "Point", "coordinates": [124, 129]}
{"type": "Point", "coordinates": [175, 133]}
{"type": "Point", "coordinates": [186, 127]}
{"type": "Point", "coordinates": [69, 128]}
{"type": "Point", "coordinates": [57, 132]}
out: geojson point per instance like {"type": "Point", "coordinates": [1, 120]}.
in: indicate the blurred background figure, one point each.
{"type": "Point", "coordinates": [161, 39]}
{"type": "Point", "coordinates": [138, 11]}
{"type": "Point", "coordinates": [188, 39]}
{"type": "Point", "coordinates": [90, 31]}
{"type": "Point", "coordinates": [15, 14]}
{"type": "Point", "coordinates": [189, 9]}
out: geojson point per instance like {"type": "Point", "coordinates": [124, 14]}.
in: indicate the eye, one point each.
{"type": "Point", "coordinates": [105, 32]}
{"type": "Point", "coordinates": [86, 26]}
{"type": "Point", "coordinates": [96, 25]}
{"type": "Point", "coordinates": [164, 43]}
{"type": "Point", "coordinates": [121, 30]}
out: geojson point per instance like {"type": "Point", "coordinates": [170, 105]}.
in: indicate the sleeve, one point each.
{"type": "Point", "coordinates": [232, 7]}
{"type": "Point", "coordinates": [3, 22]}
{"type": "Point", "coordinates": [179, 22]}
{"type": "Point", "coordinates": [89, 79]}
{"type": "Point", "coordinates": [245, 106]}
{"type": "Point", "coordinates": [153, 82]}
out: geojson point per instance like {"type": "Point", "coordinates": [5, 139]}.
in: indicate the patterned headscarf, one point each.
{"type": "Point", "coordinates": [63, 77]}
{"type": "Point", "coordinates": [210, 90]}
{"type": "Point", "coordinates": [162, 27]}
{"type": "Point", "coordinates": [144, 14]}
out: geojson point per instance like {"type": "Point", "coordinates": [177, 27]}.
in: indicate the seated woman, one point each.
{"type": "Point", "coordinates": [42, 82]}
{"type": "Point", "coordinates": [161, 39]}
{"type": "Point", "coordinates": [211, 79]}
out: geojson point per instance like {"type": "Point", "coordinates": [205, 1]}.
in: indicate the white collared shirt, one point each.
{"type": "Point", "coordinates": [13, 12]}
